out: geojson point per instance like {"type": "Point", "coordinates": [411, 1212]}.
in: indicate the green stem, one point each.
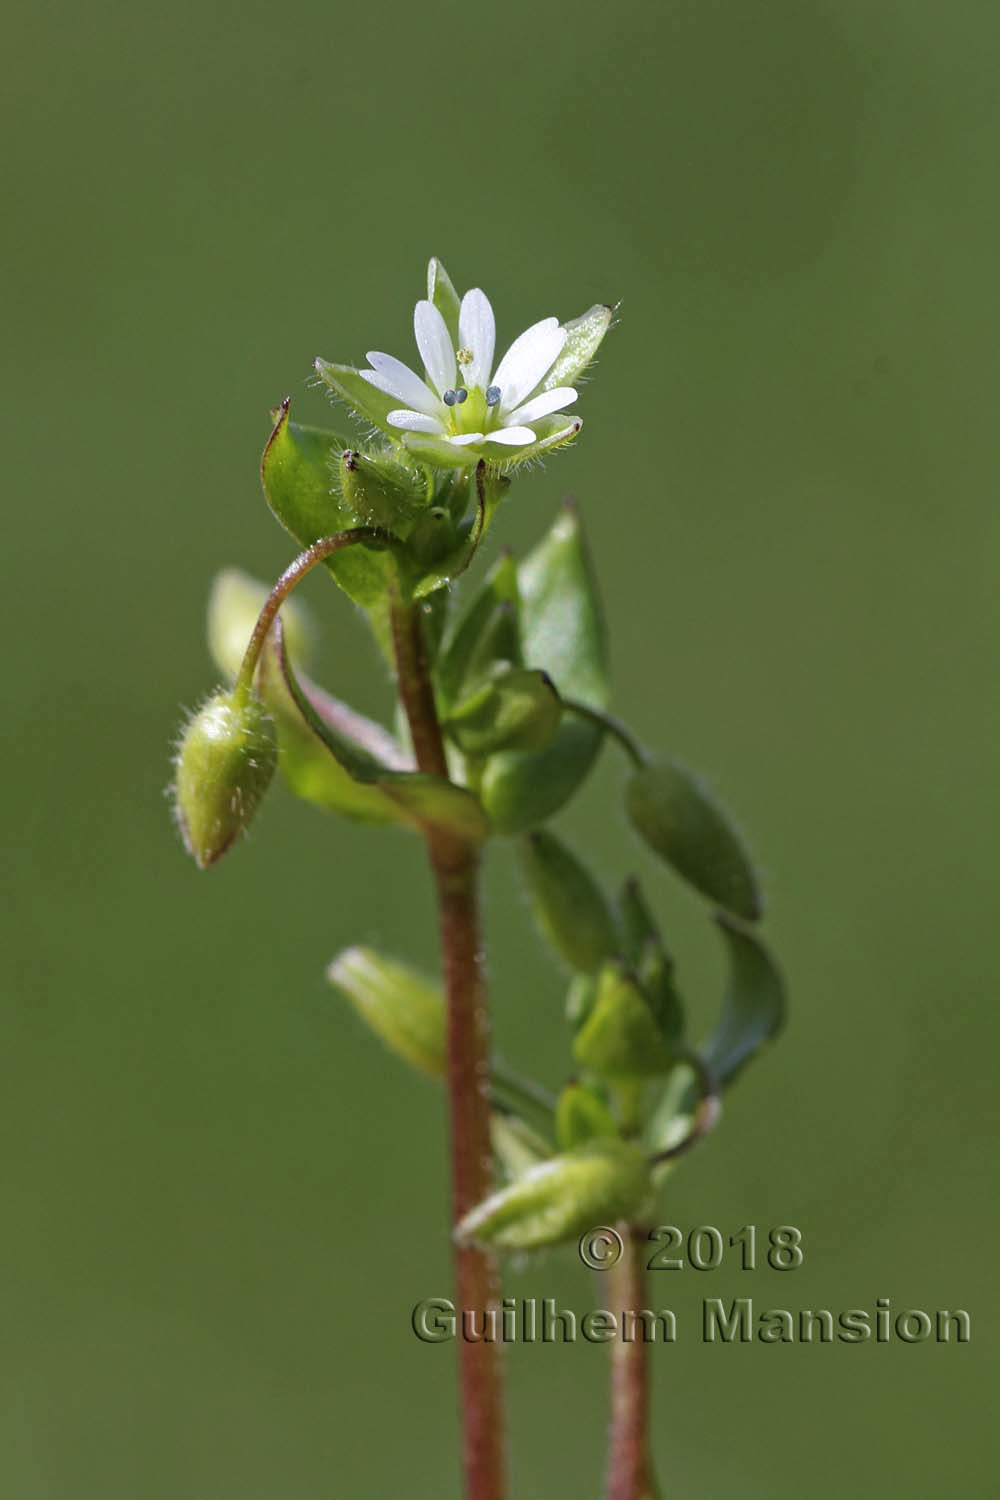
{"type": "Point", "coordinates": [455, 865]}
{"type": "Point", "coordinates": [610, 725]}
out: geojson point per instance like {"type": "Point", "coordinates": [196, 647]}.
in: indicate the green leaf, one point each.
{"type": "Point", "coordinates": [653, 965]}
{"type": "Point", "coordinates": [568, 904]}
{"type": "Point", "coordinates": [620, 1038]}
{"type": "Point", "coordinates": [753, 1011]}
{"type": "Point", "coordinates": [584, 337]}
{"type": "Point", "coordinates": [562, 633]}
{"type": "Point", "coordinates": [297, 471]}
{"type": "Point", "coordinates": [400, 1006]}
{"type": "Point", "coordinates": [561, 1198]}
{"type": "Point", "coordinates": [428, 801]}
{"type": "Point", "coordinates": [441, 291]}
{"type": "Point", "coordinates": [674, 814]}
{"type": "Point", "coordinates": [582, 1115]}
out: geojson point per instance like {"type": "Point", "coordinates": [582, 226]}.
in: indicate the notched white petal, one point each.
{"type": "Point", "coordinates": [527, 360]}
{"type": "Point", "coordinates": [511, 437]}
{"type": "Point", "coordinates": [434, 343]}
{"type": "Point", "coordinates": [543, 405]}
{"type": "Point", "coordinates": [463, 439]}
{"type": "Point", "coordinates": [414, 421]}
{"type": "Point", "coordinates": [477, 333]}
{"type": "Point", "coordinates": [396, 379]}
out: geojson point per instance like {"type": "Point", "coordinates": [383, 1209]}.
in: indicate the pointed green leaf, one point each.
{"type": "Point", "coordinates": [568, 904]}
{"type": "Point", "coordinates": [403, 1009]}
{"type": "Point", "coordinates": [584, 336]}
{"type": "Point", "coordinates": [582, 1115]}
{"type": "Point", "coordinates": [441, 291]}
{"type": "Point", "coordinates": [753, 1011]}
{"type": "Point", "coordinates": [297, 471]}
{"type": "Point", "coordinates": [562, 632]}
{"type": "Point", "coordinates": [620, 1037]}
{"type": "Point", "coordinates": [428, 801]}
{"type": "Point", "coordinates": [670, 808]}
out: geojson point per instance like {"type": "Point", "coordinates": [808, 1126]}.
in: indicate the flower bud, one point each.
{"type": "Point", "coordinates": [671, 810]}
{"type": "Point", "coordinates": [400, 1006]}
{"type": "Point", "coordinates": [569, 905]}
{"type": "Point", "coordinates": [381, 491]}
{"type": "Point", "coordinates": [516, 709]}
{"type": "Point", "coordinates": [224, 763]}
{"type": "Point", "coordinates": [620, 1037]}
{"type": "Point", "coordinates": [557, 1200]}
{"type": "Point", "coordinates": [582, 1115]}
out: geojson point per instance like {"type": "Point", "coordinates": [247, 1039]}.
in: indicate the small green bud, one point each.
{"type": "Point", "coordinates": [233, 606]}
{"type": "Point", "coordinates": [381, 491]}
{"type": "Point", "coordinates": [225, 761]}
{"type": "Point", "coordinates": [515, 1144]}
{"type": "Point", "coordinates": [516, 709]}
{"type": "Point", "coordinates": [580, 999]}
{"type": "Point", "coordinates": [569, 905]}
{"type": "Point", "coordinates": [401, 1007]}
{"type": "Point", "coordinates": [582, 1115]}
{"type": "Point", "coordinates": [671, 810]}
{"type": "Point", "coordinates": [561, 1198]}
{"type": "Point", "coordinates": [620, 1037]}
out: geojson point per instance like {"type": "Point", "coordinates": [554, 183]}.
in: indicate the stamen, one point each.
{"type": "Point", "coordinates": [465, 356]}
{"type": "Point", "coordinates": [450, 397]}
{"type": "Point", "coordinates": [461, 395]}
{"type": "Point", "coordinates": [493, 395]}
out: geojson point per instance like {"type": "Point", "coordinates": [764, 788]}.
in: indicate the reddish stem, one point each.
{"type": "Point", "coordinates": [630, 1465]}
{"type": "Point", "coordinates": [455, 864]}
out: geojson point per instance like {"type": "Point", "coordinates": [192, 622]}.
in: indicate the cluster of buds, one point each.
{"type": "Point", "coordinates": [519, 676]}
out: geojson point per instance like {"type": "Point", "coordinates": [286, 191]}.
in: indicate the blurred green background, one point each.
{"type": "Point", "coordinates": [221, 1200]}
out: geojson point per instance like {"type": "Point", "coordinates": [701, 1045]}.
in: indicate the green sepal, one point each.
{"type": "Point", "coordinates": [516, 709]}
{"type": "Point", "coordinates": [550, 432]}
{"type": "Point", "coordinates": [425, 800]}
{"type": "Point", "coordinates": [621, 1037]}
{"type": "Point", "coordinates": [460, 660]}
{"type": "Point", "coordinates": [403, 1008]}
{"type": "Point", "coordinates": [584, 336]}
{"type": "Point", "coordinates": [441, 291]}
{"type": "Point", "coordinates": [753, 1011]}
{"type": "Point", "coordinates": [582, 1115]}
{"type": "Point", "coordinates": [562, 633]}
{"type": "Point", "coordinates": [559, 1199]}
{"type": "Point", "coordinates": [224, 765]}
{"type": "Point", "coordinates": [516, 1146]}
{"type": "Point", "coordinates": [568, 904]}
{"type": "Point", "coordinates": [359, 394]}
{"type": "Point", "coordinates": [297, 471]}
{"type": "Point", "coordinates": [671, 810]}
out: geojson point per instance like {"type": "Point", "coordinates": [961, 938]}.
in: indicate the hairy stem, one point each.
{"type": "Point", "coordinates": [630, 1465]}
{"type": "Point", "coordinates": [455, 865]}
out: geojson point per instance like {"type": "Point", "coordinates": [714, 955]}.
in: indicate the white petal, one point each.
{"type": "Point", "coordinates": [464, 438]}
{"type": "Point", "coordinates": [541, 406]}
{"type": "Point", "coordinates": [511, 437]}
{"type": "Point", "coordinates": [414, 421]}
{"type": "Point", "coordinates": [527, 360]}
{"type": "Point", "coordinates": [396, 379]}
{"type": "Point", "coordinates": [477, 330]}
{"type": "Point", "coordinates": [434, 343]}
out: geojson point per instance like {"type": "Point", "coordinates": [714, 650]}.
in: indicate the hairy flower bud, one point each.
{"type": "Point", "coordinates": [400, 1006]}
{"type": "Point", "coordinates": [381, 491]}
{"type": "Point", "coordinates": [595, 1183]}
{"type": "Point", "coordinates": [224, 763]}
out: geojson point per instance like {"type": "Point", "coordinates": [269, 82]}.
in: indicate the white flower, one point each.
{"type": "Point", "coordinates": [464, 401]}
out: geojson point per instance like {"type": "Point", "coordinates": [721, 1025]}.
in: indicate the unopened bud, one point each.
{"type": "Point", "coordinates": [381, 491]}
{"type": "Point", "coordinates": [582, 1115]}
{"type": "Point", "coordinates": [596, 1183]}
{"type": "Point", "coordinates": [620, 1037]}
{"type": "Point", "coordinates": [225, 761]}
{"type": "Point", "coordinates": [403, 1009]}
{"type": "Point", "coordinates": [516, 709]}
